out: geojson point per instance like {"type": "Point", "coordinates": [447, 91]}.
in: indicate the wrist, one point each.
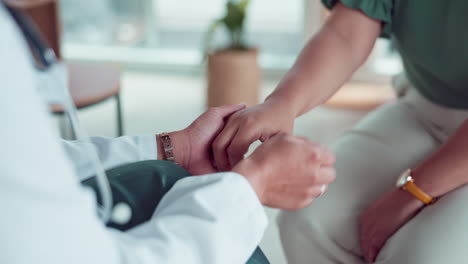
{"type": "Point", "coordinates": [282, 105]}
{"type": "Point", "coordinates": [410, 204]}
{"type": "Point", "coordinates": [294, 91]}
{"type": "Point", "coordinates": [430, 181]}
{"type": "Point", "coordinates": [180, 148]}
{"type": "Point", "coordinates": [250, 172]}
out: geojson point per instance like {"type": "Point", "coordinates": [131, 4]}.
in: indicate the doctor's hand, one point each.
{"type": "Point", "coordinates": [246, 126]}
{"type": "Point", "coordinates": [288, 172]}
{"type": "Point", "coordinates": [192, 145]}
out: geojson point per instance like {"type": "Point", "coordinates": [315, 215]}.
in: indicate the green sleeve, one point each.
{"type": "Point", "coordinates": [378, 9]}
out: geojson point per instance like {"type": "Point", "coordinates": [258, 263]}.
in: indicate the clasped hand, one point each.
{"type": "Point", "coordinates": [286, 171]}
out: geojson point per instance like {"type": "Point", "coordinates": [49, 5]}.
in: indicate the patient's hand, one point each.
{"type": "Point", "coordinates": [259, 122]}
{"type": "Point", "coordinates": [192, 145]}
{"type": "Point", "coordinates": [288, 172]}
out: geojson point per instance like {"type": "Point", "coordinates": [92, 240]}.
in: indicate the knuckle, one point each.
{"type": "Point", "coordinates": [249, 121]}
{"type": "Point", "coordinates": [314, 155]}
{"type": "Point", "coordinates": [213, 110]}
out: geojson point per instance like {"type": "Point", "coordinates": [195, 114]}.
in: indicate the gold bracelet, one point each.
{"type": "Point", "coordinates": [167, 146]}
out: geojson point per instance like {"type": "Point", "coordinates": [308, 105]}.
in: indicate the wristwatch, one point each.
{"type": "Point", "coordinates": [406, 182]}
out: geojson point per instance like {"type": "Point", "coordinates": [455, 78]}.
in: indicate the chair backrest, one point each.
{"type": "Point", "coordinates": [45, 15]}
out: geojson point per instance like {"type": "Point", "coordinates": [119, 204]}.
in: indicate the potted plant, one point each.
{"type": "Point", "coordinates": [232, 71]}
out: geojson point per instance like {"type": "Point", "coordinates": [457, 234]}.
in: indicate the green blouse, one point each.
{"type": "Point", "coordinates": [432, 38]}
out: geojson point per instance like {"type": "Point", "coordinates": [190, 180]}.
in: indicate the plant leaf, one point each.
{"type": "Point", "coordinates": [243, 5]}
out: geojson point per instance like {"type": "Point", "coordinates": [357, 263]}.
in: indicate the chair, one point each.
{"type": "Point", "coordinates": [89, 84]}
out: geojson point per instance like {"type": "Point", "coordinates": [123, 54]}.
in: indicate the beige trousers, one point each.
{"type": "Point", "coordinates": [369, 159]}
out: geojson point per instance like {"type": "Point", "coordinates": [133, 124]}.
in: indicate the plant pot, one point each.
{"type": "Point", "coordinates": [233, 77]}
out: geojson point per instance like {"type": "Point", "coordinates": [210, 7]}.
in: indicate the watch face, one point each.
{"type": "Point", "coordinates": [403, 179]}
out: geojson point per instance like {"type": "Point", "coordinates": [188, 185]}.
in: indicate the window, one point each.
{"type": "Point", "coordinates": [169, 33]}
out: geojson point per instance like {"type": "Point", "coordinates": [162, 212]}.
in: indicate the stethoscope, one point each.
{"type": "Point", "coordinates": [55, 90]}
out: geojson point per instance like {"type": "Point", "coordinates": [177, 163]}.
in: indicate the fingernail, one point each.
{"type": "Point", "coordinates": [323, 189]}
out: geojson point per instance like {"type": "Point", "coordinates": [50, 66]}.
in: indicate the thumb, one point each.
{"type": "Point", "coordinates": [227, 110]}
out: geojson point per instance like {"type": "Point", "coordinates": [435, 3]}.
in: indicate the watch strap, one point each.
{"type": "Point", "coordinates": [411, 187]}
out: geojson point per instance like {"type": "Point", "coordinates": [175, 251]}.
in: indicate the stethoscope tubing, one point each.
{"type": "Point", "coordinates": [43, 52]}
{"type": "Point", "coordinates": [48, 61]}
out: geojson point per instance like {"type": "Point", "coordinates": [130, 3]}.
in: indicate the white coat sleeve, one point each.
{"type": "Point", "coordinates": [49, 218]}
{"type": "Point", "coordinates": [112, 152]}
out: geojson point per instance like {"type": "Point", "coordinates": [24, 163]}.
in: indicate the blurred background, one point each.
{"type": "Point", "coordinates": [149, 61]}
{"type": "Point", "coordinates": [169, 34]}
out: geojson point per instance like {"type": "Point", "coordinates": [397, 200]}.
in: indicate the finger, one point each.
{"type": "Point", "coordinates": [319, 152]}
{"type": "Point", "coordinates": [366, 248]}
{"type": "Point", "coordinates": [370, 256]}
{"type": "Point", "coordinates": [316, 191]}
{"type": "Point", "coordinates": [220, 144]}
{"type": "Point", "coordinates": [306, 203]}
{"type": "Point", "coordinates": [373, 252]}
{"type": "Point", "coordinates": [301, 139]}
{"type": "Point", "coordinates": [308, 198]}
{"type": "Point", "coordinates": [227, 110]}
{"type": "Point", "coordinates": [326, 175]}
{"type": "Point", "coordinates": [323, 189]}
{"type": "Point", "coordinates": [369, 248]}
{"type": "Point", "coordinates": [366, 256]}
{"type": "Point", "coordinates": [240, 144]}
{"type": "Point", "coordinates": [363, 241]}
{"type": "Point", "coordinates": [327, 157]}
{"type": "Point", "coordinates": [376, 250]}
{"type": "Point", "coordinates": [290, 204]}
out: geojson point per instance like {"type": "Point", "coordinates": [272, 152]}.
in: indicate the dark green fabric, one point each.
{"type": "Point", "coordinates": [258, 257]}
{"type": "Point", "coordinates": [142, 185]}
{"type": "Point", "coordinates": [378, 9]}
{"type": "Point", "coordinates": [432, 38]}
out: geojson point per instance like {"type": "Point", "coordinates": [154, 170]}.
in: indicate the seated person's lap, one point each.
{"type": "Point", "coordinates": [369, 159]}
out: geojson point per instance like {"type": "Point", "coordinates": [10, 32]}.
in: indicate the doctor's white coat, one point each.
{"type": "Point", "coordinates": [47, 217]}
